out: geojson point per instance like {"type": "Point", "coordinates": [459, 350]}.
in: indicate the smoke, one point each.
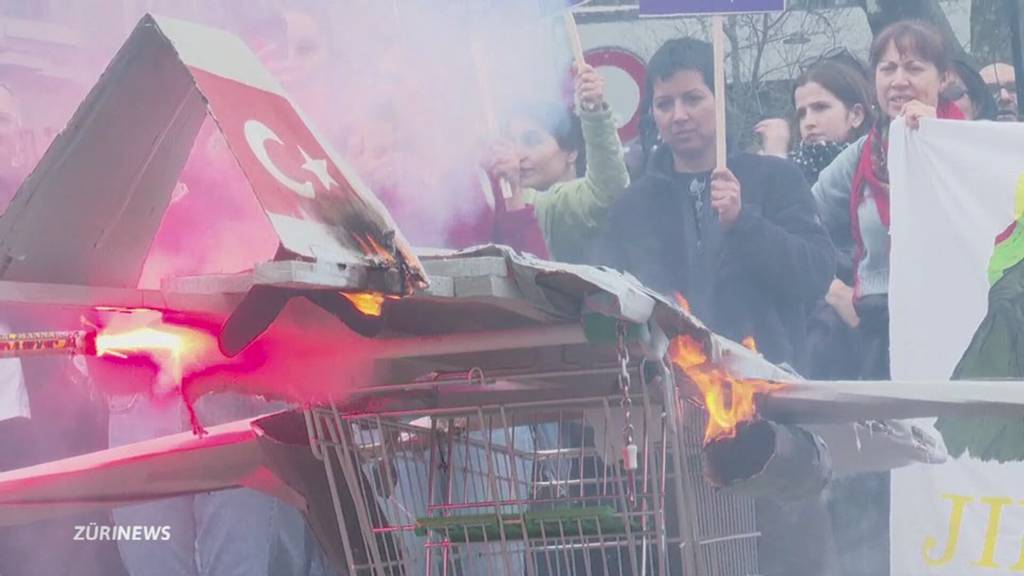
{"type": "Point", "coordinates": [859, 507]}
{"type": "Point", "coordinates": [409, 93]}
{"type": "Point", "coordinates": [392, 86]}
{"type": "Point", "coordinates": [214, 223]}
{"type": "Point", "coordinates": [419, 88]}
{"type": "Point", "coordinates": [306, 356]}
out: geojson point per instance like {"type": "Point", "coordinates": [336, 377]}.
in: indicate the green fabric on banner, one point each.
{"type": "Point", "coordinates": [1006, 254]}
{"type": "Point", "coordinates": [995, 352]}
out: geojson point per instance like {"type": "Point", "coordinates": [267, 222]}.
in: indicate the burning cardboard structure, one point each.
{"type": "Point", "coordinates": [534, 331]}
{"type": "Point", "coordinates": [108, 177]}
{"type": "Point", "coordinates": [490, 327]}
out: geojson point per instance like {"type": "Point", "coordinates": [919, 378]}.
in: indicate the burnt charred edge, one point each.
{"type": "Point", "coordinates": [253, 315]}
{"type": "Point", "coordinates": [263, 304]}
{"type": "Point", "coordinates": [769, 460]}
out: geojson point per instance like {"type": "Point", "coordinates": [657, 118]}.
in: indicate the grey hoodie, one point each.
{"type": "Point", "coordinates": [832, 193]}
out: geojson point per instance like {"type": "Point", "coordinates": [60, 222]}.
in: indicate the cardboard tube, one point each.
{"type": "Point", "coordinates": [769, 460]}
{"type": "Point", "coordinates": [574, 37]}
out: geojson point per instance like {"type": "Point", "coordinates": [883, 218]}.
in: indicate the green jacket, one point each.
{"type": "Point", "coordinates": [571, 214]}
{"type": "Point", "coordinates": [995, 352]}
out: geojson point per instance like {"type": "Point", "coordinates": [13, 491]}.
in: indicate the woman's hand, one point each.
{"type": "Point", "coordinates": [726, 197]}
{"type": "Point", "coordinates": [840, 298]}
{"type": "Point", "coordinates": [502, 164]}
{"type": "Point", "coordinates": [502, 161]}
{"type": "Point", "coordinates": [914, 110]}
{"type": "Point", "coordinates": [589, 88]}
{"type": "Point", "coordinates": [775, 135]}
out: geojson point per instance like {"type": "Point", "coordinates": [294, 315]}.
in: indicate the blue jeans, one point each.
{"type": "Point", "coordinates": [229, 532]}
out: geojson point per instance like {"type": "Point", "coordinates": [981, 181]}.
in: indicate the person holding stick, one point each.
{"type": "Point", "coordinates": [565, 171]}
{"type": "Point", "coordinates": [743, 243]}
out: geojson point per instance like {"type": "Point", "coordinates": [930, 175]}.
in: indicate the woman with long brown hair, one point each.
{"type": "Point", "coordinates": [834, 106]}
{"type": "Point", "coordinates": [910, 63]}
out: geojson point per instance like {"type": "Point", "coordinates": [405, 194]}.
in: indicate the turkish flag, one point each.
{"type": "Point", "coordinates": [288, 168]}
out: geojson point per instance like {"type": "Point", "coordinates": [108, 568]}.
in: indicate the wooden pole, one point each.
{"type": "Point", "coordinates": [487, 103]}
{"type": "Point", "coordinates": [1015, 13]}
{"type": "Point", "coordinates": [574, 38]}
{"type": "Point", "coordinates": [718, 42]}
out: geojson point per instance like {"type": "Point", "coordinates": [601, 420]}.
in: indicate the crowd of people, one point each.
{"type": "Point", "coordinates": [789, 245]}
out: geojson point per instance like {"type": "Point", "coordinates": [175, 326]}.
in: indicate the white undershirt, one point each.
{"type": "Point", "coordinates": [13, 393]}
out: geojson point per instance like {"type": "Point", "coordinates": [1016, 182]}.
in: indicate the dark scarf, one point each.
{"type": "Point", "coordinates": [813, 157]}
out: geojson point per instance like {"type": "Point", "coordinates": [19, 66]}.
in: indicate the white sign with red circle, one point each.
{"type": "Point", "coordinates": [624, 74]}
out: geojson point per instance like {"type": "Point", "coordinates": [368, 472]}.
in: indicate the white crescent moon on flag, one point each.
{"type": "Point", "coordinates": [256, 134]}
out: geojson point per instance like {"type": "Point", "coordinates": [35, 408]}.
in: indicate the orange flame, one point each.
{"type": "Point", "coordinates": [682, 302]}
{"type": "Point", "coordinates": [371, 247]}
{"type": "Point", "coordinates": [749, 343]}
{"type": "Point", "coordinates": [170, 347]}
{"type": "Point", "coordinates": [729, 401]}
{"type": "Point", "coordinates": [139, 340]}
{"type": "Point", "coordinates": [369, 303]}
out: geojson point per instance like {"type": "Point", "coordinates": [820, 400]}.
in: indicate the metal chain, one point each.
{"type": "Point", "coordinates": [629, 449]}
{"type": "Point", "coordinates": [626, 402]}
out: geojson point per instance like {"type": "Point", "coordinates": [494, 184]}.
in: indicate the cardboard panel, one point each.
{"type": "Point", "coordinates": [89, 211]}
{"type": "Point", "coordinates": [150, 470]}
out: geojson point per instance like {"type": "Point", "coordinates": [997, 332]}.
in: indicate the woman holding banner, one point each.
{"type": "Point", "coordinates": [910, 63]}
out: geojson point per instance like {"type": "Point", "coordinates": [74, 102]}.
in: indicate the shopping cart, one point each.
{"type": "Point", "coordinates": [585, 484]}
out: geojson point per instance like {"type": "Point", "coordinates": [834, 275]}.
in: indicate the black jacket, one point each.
{"type": "Point", "coordinates": [757, 279]}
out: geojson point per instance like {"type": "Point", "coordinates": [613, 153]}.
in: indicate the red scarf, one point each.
{"type": "Point", "coordinates": [873, 172]}
{"type": "Point", "coordinates": [518, 229]}
{"type": "Point", "coordinates": [482, 224]}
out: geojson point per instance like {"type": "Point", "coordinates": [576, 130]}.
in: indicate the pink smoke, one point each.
{"type": "Point", "coordinates": [214, 224]}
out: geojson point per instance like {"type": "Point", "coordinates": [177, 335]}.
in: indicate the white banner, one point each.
{"type": "Point", "coordinates": [953, 189]}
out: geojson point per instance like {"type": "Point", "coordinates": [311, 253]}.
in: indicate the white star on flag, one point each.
{"type": "Point", "coordinates": [318, 168]}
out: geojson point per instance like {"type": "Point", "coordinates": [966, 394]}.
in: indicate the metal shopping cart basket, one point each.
{"type": "Point", "coordinates": [584, 484]}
